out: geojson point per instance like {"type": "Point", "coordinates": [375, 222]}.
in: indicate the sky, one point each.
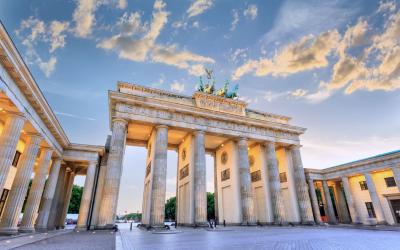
{"type": "Point", "coordinates": [333, 66]}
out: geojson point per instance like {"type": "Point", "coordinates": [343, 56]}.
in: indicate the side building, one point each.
{"type": "Point", "coordinates": [365, 192]}
{"type": "Point", "coordinates": [33, 144]}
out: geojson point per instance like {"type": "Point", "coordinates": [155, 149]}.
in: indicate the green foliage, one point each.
{"type": "Point", "coordinates": [75, 201]}
{"type": "Point", "coordinates": [26, 197]}
{"type": "Point", "coordinates": [210, 206]}
{"type": "Point", "coordinates": [170, 208]}
{"type": "Point", "coordinates": [132, 216]}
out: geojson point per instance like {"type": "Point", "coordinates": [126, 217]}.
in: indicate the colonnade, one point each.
{"type": "Point", "coordinates": [155, 180]}
{"type": "Point", "coordinates": [345, 201]}
{"type": "Point", "coordinates": [47, 202]}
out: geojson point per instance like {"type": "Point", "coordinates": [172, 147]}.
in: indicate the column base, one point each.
{"type": "Point", "coordinates": [26, 230]}
{"type": "Point", "coordinates": [8, 231]}
{"type": "Point", "coordinates": [249, 223]}
{"type": "Point", "coordinates": [81, 227]}
{"type": "Point", "coordinates": [201, 224]}
{"type": "Point", "coordinates": [105, 227]}
{"type": "Point", "coordinates": [42, 229]}
{"type": "Point", "coordinates": [308, 223]}
{"type": "Point", "coordinates": [153, 227]}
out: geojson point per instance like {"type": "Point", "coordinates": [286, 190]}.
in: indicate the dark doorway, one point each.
{"type": "Point", "coordinates": [396, 209]}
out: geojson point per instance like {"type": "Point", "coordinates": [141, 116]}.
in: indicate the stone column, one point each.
{"type": "Point", "coordinates": [328, 201]}
{"type": "Point", "coordinates": [13, 206]}
{"type": "Point", "coordinates": [108, 206]}
{"type": "Point", "coordinates": [216, 189]}
{"type": "Point", "coordinates": [380, 217]}
{"type": "Point", "coordinates": [355, 217]}
{"type": "Point", "coordinates": [344, 216]}
{"type": "Point", "coordinates": [8, 144]}
{"type": "Point", "coordinates": [301, 187]}
{"type": "Point", "coordinates": [278, 206]}
{"type": "Point", "coordinates": [57, 198]}
{"type": "Point", "coordinates": [200, 188]}
{"type": "Point", "coordinates": [246, 192]}
{"type": "Point", "coordinates": [158, 184]}
{"type": "Point", "coordinates": [86, 196]}
{"type": "Point", "coordinates": [48, 194]}
{"type": "Point", "coordinates": [396, 174]}
{"type": "Point", "coordinates": [35, 193]}
{"type": "Point", "coordinates": [70, 176]}
{"type": "Point", "coordinates": [314, 201]}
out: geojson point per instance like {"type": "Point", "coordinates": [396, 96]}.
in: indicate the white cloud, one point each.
{"type": "Point", "coordinates": [308, 53]}
{"type": "Point", "coordinates": [137, 42]}
{"type": "Point", "coordinates": [198, 7]}
{"type": "Point", "coordinates": [251, 11]}
{"type": "Point", "coordinates": [57, 34]}
{"type": "Point", "coordinates": [299, 93]}
{"type": "Point", "coordinates": [122, 4]}
{"type": "Point", "coordinates": [84, 17]}
{"type": "Point", "coordinates": [47, 67]}
{"type": "Point", "coordinates": [239, 54]}
{"type": "Point", "coordinates": [177, 87]}
{"type": "Point", "coordinates": [235, 20]}
{"type": "Point", "coordinates": [386, 6]}
{"type": "Point", "coordinates": [33, 31]}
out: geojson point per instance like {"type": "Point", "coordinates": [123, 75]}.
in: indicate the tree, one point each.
{"type": "Point", "coordinates": [170, 208]}
{"type": "Point", "coordinates": [75, 201]}
{"type": "Point", "coordinates": [210, 206]}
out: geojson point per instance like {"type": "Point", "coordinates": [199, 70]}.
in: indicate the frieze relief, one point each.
{"type": "Point", "coordinates": [220, 104]}
{"type": "Point", "coordinates": [204, 122]}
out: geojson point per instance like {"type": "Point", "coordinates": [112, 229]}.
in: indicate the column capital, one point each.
{"type": "Point", "coordinates": [161, 126]}
{"type": "Point", "coordinates": [268, 143]}
{"type": "Point", "coordinates": [34, 135]}
{"type": "Point", "coordinates": [15, 113]}
{"type": "Point", "coordinates": [294, 146]}
{"type": "Point", "coordinates": [196, 132]}
{"type": "Point", "coordinates": [117, 119]}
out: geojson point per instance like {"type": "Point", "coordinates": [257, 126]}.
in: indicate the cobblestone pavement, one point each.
{"type": "Point", "coordinates": [261, 238]}
{"type": "Point", "coordinates": [97, 240]}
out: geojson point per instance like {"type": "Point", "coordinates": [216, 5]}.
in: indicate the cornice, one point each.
{"type": "Point", "coordinates": [17, 69]}
{"type": "Point", "coordinates": [115, 97]}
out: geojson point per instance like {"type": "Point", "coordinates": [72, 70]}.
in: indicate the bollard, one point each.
{"type": "Point", "coordinates": [131, 226]}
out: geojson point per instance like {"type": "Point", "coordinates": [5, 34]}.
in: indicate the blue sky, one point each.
{"type": "Point", "coordinates": [334, 66]}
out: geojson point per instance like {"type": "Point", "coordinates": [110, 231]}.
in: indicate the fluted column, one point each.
{"type": "Point", "coordinates": [86, 196]}
{"type": "Point", "coordinates": [246, 192]}
{"type": "Point", "coordinates": [70, 176]}
{"type": "Point", "coordinates": [396, 174]}
{"type": "Point", "coordinates": [216, 189]}
{"type": "Point", "coordinates": [8, 144]}
{"type": "Point", "coordinates": [158, 184]}
{"type": "Point", "coordinates": [35, 193]}
{"type": "Point", "coordinates": [108, 206]}
{"type": "Point", "coordinates": [13, 206]}
{"type": "Point", "coordinates": [301, 187]}
{"type": "Point", "coordinates": [57, 199]}
{"type": "Point", "coordinates": [278, 206]}
{"type": "Point", "coordinates": [380, 217]}
{"type": "Point", "coordinates": [200, 188]}
{"type": "Point", "coordinates": [344, 216]}
{"type": "Point", "coordinates": [355, 217]}
{"type": "Point", "coordinates": [314, 201]}
{"type": "Point", "coordinates": [328, 200]}
{"type": "Point", "coordinates": [48, 194]}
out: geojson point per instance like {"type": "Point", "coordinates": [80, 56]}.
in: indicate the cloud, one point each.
{"type": "Point", "coordinates": [308, 53]}
{"type": "Point", "coordinates": [235, 15]}
{"type": "Point", "coordinates": [57, 34]}
{"type": "Point", "coordinates": [136, 41]}
{"type": "Point", "coordinates": [251, 11]}
{"type": "Point", "coordinates": [47, 67]}
{"type": "Point", "coordinates": [353, 73]}
{"type": "Point", "coordinates": [84, 17]}
{"type": "Point", "coordinates": [177, 87]}
{"type": "Point", "coordinates": [33, 31]}
{"type": "Point", "coordinates": [386, 6]}
{"type": "Point", "coordinates": [198, 7]}
{"type": "Point", "coordinates": [74, 116]}
{"type": "Point", "coordinates": [239, 54]}
{"type": "Point", "coordinates": [299, 93]}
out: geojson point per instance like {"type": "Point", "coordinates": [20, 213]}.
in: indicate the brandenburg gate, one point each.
{"type": "Point", "coordinates": [259, 176]}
